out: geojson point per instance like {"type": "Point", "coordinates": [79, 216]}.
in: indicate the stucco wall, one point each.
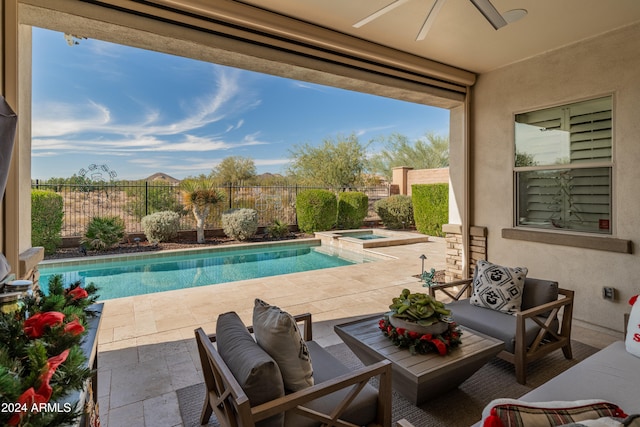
{"type": "Point", "coordinates": [608, 64]}
{"type": "Point", "coordinates": [427, 176]}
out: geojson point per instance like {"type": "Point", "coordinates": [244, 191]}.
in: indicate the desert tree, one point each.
{"type": "Point", "coordinates": [429, 152]}
{"type": "Point", "coordinates": [234, 169]}
{"type": "Point", "coordinates": [337, 163]}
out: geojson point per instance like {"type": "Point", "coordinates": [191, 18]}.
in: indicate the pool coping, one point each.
{"type": "Point", "coordinates": [340, 238]}
{"type": "Point", "coordinates": [105, 259]}
{"type": "Point", "coordinates": [112, 258]}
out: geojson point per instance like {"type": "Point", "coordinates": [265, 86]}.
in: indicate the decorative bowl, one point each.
{"type": "Point", "coordinates": [434, 329]}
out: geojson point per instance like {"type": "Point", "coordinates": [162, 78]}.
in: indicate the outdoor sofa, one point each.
{"type": "Point", "coordinates": [241, 381]}
{"type": "Point", "coordinates": [610, 375]}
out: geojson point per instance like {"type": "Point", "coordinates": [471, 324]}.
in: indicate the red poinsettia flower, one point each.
{"type": "Point", "coordinates": [381, 324]}
{"type": "Point", "coordinates": [74, 327]}
{"type": "Point", "coordinates": [34, 325]}
{"type": "Point", "coordinates": [426, 337]}
{"type": "Point", "coordinates": [401, 331]}
{"type": "Point", "coordinates": [77, 293]}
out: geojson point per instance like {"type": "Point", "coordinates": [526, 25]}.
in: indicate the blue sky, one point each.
{"type": "Point", "coordinates": [139, 112]}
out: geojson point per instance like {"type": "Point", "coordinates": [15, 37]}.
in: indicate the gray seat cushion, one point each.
{"type": "Point", "coordinates": [362, 410]}
{"type": "Point", "coordinates": [256, 372]}
{"type": "Point", "coordinates": [494, 323]}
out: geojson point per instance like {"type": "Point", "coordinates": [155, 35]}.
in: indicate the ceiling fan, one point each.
{"type": "Point", "coordinates": [484, 6]}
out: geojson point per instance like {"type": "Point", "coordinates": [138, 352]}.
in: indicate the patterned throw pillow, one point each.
{"type": "Point", "coordinates": [512, 412]}
{"type": "Point", "coordinates": [497, 287]}
{"type": "Point", "coordinates": [277, 332]}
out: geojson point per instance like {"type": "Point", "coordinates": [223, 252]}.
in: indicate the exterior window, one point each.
{"type": "Point", "coordinates": [563, 167]}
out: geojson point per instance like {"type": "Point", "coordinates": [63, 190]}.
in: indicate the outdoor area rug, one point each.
{"type": "Point", "coordinates": [460, 407]}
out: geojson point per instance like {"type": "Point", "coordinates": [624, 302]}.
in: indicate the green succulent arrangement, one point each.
{"type": "Point", "coordinates": [418, 307]}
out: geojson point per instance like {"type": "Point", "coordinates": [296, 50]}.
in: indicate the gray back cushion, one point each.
{"type": "Point", "coordinates": [537, 292]}
{"type": "Point", "coordinates": [256, 372]}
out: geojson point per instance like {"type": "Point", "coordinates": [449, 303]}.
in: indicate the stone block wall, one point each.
{"type": "Point", "coordinates": [454, 250]}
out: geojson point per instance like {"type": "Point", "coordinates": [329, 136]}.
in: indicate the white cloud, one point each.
{"type": "Point", "coordinates": [309, 86]}
{"type": "Point", "coordinates": [91, 127]}
{"type": "Point", "coordinates": [364, 131]}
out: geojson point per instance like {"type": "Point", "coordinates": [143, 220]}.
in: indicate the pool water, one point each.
{"type": "Point", "coordinates": [369, 237]}
{"type": "Point", "coordinates": [137, 277]}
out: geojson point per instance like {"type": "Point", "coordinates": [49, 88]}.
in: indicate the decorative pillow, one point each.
{"type": "Point", "coordinates": [256, 372]}
{"type": "Point", "coordinates": [497, 287]}
{"type": "Point", "coordinates": [632, 340]}
{"type": "Point", "coordinates": [277, 332]}
{"type": "Point", "coordinates": [512, 412]}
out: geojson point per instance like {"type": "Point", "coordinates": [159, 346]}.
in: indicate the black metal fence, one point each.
{"type": "Point", "coordinates": [131, 202]}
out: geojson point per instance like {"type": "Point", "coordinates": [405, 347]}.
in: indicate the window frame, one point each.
{"type": "Point", "coordinates": [597, 164]}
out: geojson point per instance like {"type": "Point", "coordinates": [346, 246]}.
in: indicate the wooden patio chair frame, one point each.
{"type": "Point", "coordinates": [547, 340]}
{"type": "Point", "coordinates": [231, 405]}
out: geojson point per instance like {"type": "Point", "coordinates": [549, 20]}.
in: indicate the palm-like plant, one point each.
{"type": "Point", "coordinates": [199, 195]}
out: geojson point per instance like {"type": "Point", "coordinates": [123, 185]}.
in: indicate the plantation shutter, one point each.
{"type": "Point", "coordinates": [575, 192]}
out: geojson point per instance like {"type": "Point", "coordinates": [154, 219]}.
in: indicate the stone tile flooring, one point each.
{"type": "Point", "coordinates": [146, 345]}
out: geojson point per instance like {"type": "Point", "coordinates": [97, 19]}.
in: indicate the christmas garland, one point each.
{"type": "Point", "coordinates": [41, 362]}
{"type": "Point", "coordinates": [418, 343]}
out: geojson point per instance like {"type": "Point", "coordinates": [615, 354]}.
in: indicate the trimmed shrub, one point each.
{"type": "Point", "coordinates": [278, 229]}
{"type": "Point", "coordinates": [47, 213]}
{"type": "Point", "coordinates": [240, 224]}
{"type": "Point", "coordinates": [430, 207]}
{"type": "Point", "coordinates": [103, 232]}
{"type": "Point", "coordinates": [316, 210]}
{"type": "Point", "coordinates": [353, 207]}
{"type": "Point", "coordinates": [161, 226]}
{"type": "Point", "coordinates": [395, 211]}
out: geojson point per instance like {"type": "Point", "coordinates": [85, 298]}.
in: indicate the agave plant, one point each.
{"type": "Point", "coordinates": [199, 195]}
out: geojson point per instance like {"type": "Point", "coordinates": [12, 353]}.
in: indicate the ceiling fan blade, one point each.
{"type": "Point", "coordinates": [490, 13]}
{"type": "Point", "coordinates": [379, 13]}
{"type": "Point", "coordinates": [431, 18]}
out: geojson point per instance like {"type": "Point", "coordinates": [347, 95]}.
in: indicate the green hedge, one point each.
{"type": "Point", "coordinates": [430, 207]}
{"type": "Point", "coordinates": [316, 210]}
{"type": "Point", "coordinates": [46, 219]}
{"type": "Point", "coordinates": [352, 209]}
{"type": "Point", "coordinates": [395, 211]}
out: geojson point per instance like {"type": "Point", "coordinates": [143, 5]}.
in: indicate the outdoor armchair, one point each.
{"type": "Point", "coordinates": [338, 392]}
{"type": "Point", "coordinates": [542, 325]}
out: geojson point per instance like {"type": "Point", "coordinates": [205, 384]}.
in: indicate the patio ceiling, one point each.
{"type": "Point", "coordinates": [460, 36]}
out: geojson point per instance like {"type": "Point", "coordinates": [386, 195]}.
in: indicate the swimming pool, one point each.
{"type": "Point", "coordinates": [119, 277]}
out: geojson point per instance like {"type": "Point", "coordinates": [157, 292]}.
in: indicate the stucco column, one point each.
{"type": "Point", "coordinates": [9, 88]}
{"type": "Point", "coordinates": [399, 178]}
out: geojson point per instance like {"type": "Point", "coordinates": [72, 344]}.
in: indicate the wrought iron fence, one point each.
{"type": "Point", "coordinates": [131, 202]}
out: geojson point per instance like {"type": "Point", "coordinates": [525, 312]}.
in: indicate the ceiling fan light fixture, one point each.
{"type": "Point", "coordinates": [490, 12]}
{"type": "Point", "coordinates": [514, 15]}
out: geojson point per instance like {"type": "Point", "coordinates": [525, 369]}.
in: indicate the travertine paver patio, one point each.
{"type": "Point", "coordinates": [146, 345]}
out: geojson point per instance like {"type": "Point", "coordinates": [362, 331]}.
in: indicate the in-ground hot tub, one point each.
{"type": "Point", "coordinates": [357, 240]}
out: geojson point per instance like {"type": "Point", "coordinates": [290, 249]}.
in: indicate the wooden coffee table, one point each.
{"type": "Point", "coordinates": [419, 377]}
